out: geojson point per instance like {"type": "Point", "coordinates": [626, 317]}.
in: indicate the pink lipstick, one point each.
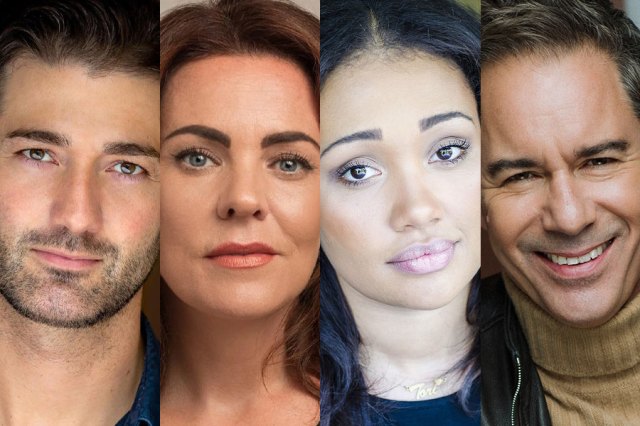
{"type": "Point", "coordinates": [239, 256]}
{"type": "Point", "coordinates": [420, 259]}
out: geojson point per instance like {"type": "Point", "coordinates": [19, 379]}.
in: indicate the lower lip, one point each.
{"type": "Point", "coordinates": [243, 261]}
{"type": "Point", "coordinates": [426, 264]}
{"type": "Point", "coordinates": [579, 271]}
{"type": "Point", "coordinates": [62, 262]}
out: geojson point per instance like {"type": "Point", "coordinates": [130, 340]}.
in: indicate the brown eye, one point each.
{"type": "Point", "coordinates": [128, 168]}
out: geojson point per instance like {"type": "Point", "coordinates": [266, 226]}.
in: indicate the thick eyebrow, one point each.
{"type": "Point", "coordinates": [497, 167]}
{"type": "Point", "coordinates": [620, 146]}
{"type": "Point", "coordinates": [43, 136]}
{"type": "Point", "coordinates": [372, 134]}
{"type": "Point", "coordinates": [429, 122]}
{"type": "Point", "coordinates": [286, 137]}
{"type": "Point", "coordinates": [131, 148]}
{"type": "Point", "coordinates": [206, 132]}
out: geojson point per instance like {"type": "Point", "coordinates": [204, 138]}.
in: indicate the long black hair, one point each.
{"type": "Point", "coordinates": [440, 28]}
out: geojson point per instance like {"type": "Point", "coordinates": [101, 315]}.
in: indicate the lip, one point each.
{"type": "Point", "coordinates": [67, 261]}
{"type": "Point", "coordinates": [241, 256]}
{"type": "Point", "coordinates": [421, 259]}
{"type": "Point", "coordinates": [578, 271]}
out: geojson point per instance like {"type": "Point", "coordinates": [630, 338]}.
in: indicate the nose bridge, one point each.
{"type": "Point", "coordinates": [415, 200]}
{"type": "Point", "coordinates": [76, 204]}
{"type": "Point", "coordinates": [242, 194]}
{"type": "Point", "coordinates": [568, 207]}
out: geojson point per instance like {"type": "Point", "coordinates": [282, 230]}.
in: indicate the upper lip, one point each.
{"type": "Point", "coordinates": [67, 255]}
{"type": "Point", "coordinates": [240, 249]}
{"type": "Point", "coordinates": [577, 253]}
{"type": "Point", "coordinates": [416, 251]}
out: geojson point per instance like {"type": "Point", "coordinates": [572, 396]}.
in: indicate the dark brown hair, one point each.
{"type": "Point", "coordinates": [256, 27]}
{"type": "Point", "coordinates": [553, 27]}
{"type": "Point", "coordinates": [103, 35]}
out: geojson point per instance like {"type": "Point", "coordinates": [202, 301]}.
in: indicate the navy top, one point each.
{"type": "Point", "coordinates": [443, 411]}
{"type": "Point", "coordinates": [146, 406]}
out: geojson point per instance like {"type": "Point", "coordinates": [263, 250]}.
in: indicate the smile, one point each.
{"type": "Point", "coordinates": [587, 257]}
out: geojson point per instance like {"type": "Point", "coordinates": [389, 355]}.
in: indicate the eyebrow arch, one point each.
{"type": "Point", "coordinates": [429, 122]}
{"type": "Point", "coordinates": [620, 146]}
{"type": "Point", "coordinates": [206, 132]}
{"type": "Point", "coordinates": [286, 137]}
{"type": "Point", "coordinates": [131, 148]}
{"type": "Point", "coordinates": [372, 134]}
{"type": "Point", "coordinates": [43, 136]}
{"type": "Point", "coordinates": [500, 166]}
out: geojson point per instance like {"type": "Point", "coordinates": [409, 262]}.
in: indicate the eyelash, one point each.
{"type": "Point", "coordinates": [293, 156]}
{"type": "Point", "coordinates": [462, 144]}
{"type": "Point", "coordinates": [342, 170]}
{"type": "Point", "coordinates": [181, 157]}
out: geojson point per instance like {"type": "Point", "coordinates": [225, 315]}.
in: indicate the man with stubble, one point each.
{"type": "Point", "coordinates": [79, 203]}
{"type": "Point", "coordinates": [560, 329]}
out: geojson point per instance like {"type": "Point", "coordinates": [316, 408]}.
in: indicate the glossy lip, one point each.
{"type": "Point", "coordinates": [67, 261]}
{"type": "Point", "coordinates": [420, 259]}
{"type": "Point", "coordinates": [240, 256]}
{"type": "Point", "coordinates": [581, 270]}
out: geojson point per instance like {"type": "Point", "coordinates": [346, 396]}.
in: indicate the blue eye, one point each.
{"type": "Point", "coordinates": [196, 158]}
{"type": "Point", "coordinates": [37, 155]}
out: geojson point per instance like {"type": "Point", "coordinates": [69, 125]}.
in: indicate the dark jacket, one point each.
{"type": "Point", "coordinates": [511, 390]}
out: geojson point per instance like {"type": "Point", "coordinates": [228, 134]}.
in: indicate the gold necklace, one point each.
{"type": "Point", "coordinates": [423, 390]}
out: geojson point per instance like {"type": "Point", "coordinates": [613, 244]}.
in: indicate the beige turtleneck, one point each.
{"type": "Point", "coordinates": [590, 376]}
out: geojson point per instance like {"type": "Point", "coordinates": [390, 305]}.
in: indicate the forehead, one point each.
{"type": "Point", "coordinates": [230, 91]}
{"type": "Point", "coordinates": [69, 100]}
{"type": "Point", "coordinates": [570, 100]}
{"type": "Point", "coordinates": [392, 94]}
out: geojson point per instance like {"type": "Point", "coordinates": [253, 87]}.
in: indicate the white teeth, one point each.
{"type": "Point", "coordinates": [561, 260]}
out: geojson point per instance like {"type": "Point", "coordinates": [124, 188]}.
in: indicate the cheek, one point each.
{"type": "Point", "coordinates": [132, 214]}
{"type": "Point", "coordinates": [296, 208]}
{"type": "Point", "coordinates": [351, 223]}
{"type": "Point", "coordinates": [183, 203]}
{"type": "Point", "coordinates": [24, 204]}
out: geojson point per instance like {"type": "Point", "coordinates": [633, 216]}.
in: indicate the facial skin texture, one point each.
{"type": "Point", "coordinates": [239, 193]}
{"type": "Point", "coordinates": [549, 111]}
{"type": "Point", "coordinates": [68, 139]}
{"type": "Point", "coordinates": [409, 195]}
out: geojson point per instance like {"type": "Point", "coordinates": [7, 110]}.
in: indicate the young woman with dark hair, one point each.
{"type": "Point", "coordinates": [240, 214]}
{"type": "Point", "coordinates": [400, 209]}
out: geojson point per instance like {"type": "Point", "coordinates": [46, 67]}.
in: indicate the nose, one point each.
{"type": "Point", "coordinates": [568, 208]}
{"type": "Point", "coordinates": [416, 204]}
{"type": "Point", "coordinates": [76, 202]}
{"type": "Point", "coordinates": [242, 195]}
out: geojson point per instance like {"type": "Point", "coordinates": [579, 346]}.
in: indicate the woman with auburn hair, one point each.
{"type": "Point", "coordinates": [400, 210]}
{"type": "Point", "coordinates": [240, 214]}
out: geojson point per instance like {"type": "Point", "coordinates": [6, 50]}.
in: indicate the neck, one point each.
{"type": "Point", "coordinates": [53, 375]}
{"type": "Point", "coordinates": [220, 358]}
{"type": "Point", "coordinates": [403, 347]}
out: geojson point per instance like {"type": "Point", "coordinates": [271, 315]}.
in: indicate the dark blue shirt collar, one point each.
{"type": "Point", "coordinates": [146, 406]}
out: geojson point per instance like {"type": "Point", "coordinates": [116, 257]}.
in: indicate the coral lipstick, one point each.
{"type": "Point", "coordinates": [241, 256]}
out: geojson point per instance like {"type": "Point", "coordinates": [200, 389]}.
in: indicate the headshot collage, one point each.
{"type": "Point", "coordinates": [320, 212]}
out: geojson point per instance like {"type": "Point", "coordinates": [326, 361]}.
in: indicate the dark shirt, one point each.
{"type": "Point", "coordinates": [445, 411]}
{"type": "Point", "coordinates": [146, 406]}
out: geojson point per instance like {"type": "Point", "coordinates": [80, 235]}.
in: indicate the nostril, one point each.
{"type": "Point", "coordinates": [231, 212]}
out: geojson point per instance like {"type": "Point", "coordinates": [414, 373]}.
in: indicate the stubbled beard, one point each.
{"type": "Point", "coordinates": [71, 299]}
